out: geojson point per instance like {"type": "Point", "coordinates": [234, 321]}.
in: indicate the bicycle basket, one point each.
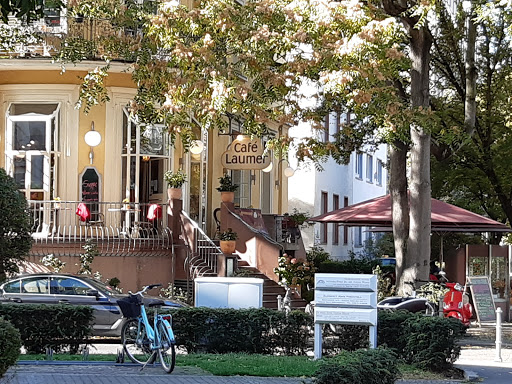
{"type": "Point", "coordinates": [130, 306]}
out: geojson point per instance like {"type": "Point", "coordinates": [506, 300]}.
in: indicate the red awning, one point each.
{"type": "Point", "coordinates": [445, 217]}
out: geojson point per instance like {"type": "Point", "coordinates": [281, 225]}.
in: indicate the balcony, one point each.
{"type": "Point", "coordinates": [118, 229]}
{"type": "Point", "coordinates": [44, 38]}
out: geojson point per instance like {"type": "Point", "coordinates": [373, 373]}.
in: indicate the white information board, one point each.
{"type": "Point", "coordinates": [345, 299]}
{"type": "Point", "coordinates": [354, 316]}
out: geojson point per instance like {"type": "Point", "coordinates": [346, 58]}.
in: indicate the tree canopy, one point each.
{"type": "Point", "coordinates": [274, 63]}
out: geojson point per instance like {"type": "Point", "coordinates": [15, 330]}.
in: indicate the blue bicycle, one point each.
{"type": "Point", "coordinates": [142, 342]}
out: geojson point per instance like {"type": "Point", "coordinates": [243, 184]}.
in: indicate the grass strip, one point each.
{"type": "Point", "coordinates": [232, 364]}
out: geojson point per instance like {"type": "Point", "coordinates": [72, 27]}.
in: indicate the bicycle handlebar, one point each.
{"type": "Point", "coordinates": [144, 289]}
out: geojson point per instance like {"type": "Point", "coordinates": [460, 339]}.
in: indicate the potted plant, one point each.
{"type": "Point", "coordinates": [227, 189]}
{"type": "Point", "coordinates": [228, 240]}
{"type": "Point", "coordinates": [174, 182]}
{"type": "Point", "coordinates": [299, 218]}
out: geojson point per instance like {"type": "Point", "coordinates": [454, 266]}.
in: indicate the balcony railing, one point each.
{"type": "Point", "coordinates": [117, 228]}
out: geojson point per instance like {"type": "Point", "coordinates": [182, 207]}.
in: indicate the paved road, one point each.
{"type": "Point", "coordinates": [125, 374]}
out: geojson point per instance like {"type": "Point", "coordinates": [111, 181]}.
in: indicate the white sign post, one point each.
{"type": "Point", "coordinates": [345, 299]}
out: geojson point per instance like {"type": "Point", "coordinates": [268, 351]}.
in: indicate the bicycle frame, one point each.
{"type": "Point", "coordinates": [152, 331]}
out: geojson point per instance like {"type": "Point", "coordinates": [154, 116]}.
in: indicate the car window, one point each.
{"type": "Point", "coordinates": [37, 285]}
{"type": "Point", "coordinates": [68, 286]}
{"type": "Point", "coordinates": [103, 288]}
{"type": "Point", "coordinates": [13, 287]}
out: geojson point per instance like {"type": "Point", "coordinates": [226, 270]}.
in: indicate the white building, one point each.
{"type": "Point", "coordinates": [337, 186]}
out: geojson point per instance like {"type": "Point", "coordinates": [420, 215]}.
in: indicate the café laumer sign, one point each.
{"type": "Point", "coordinates": [244, 153]}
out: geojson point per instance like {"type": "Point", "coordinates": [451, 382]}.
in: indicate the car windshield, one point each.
{"type": "Point", "coordinates": [99, 285]}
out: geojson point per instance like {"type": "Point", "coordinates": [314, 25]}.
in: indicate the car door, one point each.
{"type": "Point", "coordinates": [28, 290]}
{"type": "Point", "coordinates": [71, 290]}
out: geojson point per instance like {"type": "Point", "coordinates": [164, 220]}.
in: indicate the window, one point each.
{"type": "Point", "coordinates": [323, 226]}
{"type": "Point", "coordinates": [359, 166]}
{"type": "Point", "coordinates": [378, 175]}
{"type": "Point", "coordinates": [335, 226]}
{"type": "Point", "coordinates": [369, 168]}
{"type": "Point", "coordinates": [345, 228]}
{"type": "Point", "coordinates": [68, 286]}
{"type": "Point", "coordinates": [326, 128]}
{"type": "Point", "coordinates": [145, 157]}
{"type": "Point", "coordinates": [32, 150]}
{"type": "Point", "coordinates": [13, 287]}
{"type": "Point", "coordinates": [37, 285]}
{"type": "Point", "coordinates": [358, 237]}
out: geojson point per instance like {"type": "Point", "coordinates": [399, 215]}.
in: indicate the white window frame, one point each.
{"type": "Point", "coordinates": [369, 168]}
{"type": "Point", "coordinates": [359, 165]}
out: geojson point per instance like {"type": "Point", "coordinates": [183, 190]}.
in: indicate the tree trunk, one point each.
{"type": "Point", "coordinates": [399, 202]}
{"type": "Point", "coordinates": [417, 261]}
{"type": "Point", "coordinates": [471, 75]}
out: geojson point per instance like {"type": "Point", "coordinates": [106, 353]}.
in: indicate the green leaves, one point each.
{"type": "Point", "coordinates": [15, 226]}
{"type": "Point", "coordinates": [56, 326]}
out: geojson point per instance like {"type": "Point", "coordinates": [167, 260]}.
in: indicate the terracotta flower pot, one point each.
{"type": "Point", "coordinates": [227, 197]}
{"type": "Point", "coordinates": [174, 193]}
{"type": "Point", "coordinates": [228, 246]}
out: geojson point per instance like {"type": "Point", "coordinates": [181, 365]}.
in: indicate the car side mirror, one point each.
{"type": "Point", "coordinates": [93, 292]}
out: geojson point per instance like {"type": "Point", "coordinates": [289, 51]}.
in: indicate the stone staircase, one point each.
{"type": "Point", "coordinates": [203, 263]}
{"type": "Point", "coordinates": [271, 289]}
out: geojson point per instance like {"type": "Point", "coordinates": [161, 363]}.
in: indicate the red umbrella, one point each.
{"type": "Point", "coordinates": [445, 217]}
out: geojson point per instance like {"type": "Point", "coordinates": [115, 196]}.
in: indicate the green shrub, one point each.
{"type": "Point", "coordinates": [57, 326]}
{"type": "Point", "coordinates": [344, 337]}
{"type": "Point", "coordinates": [426, 342]}
{"type": "Point", "coordinates": [431, 342]}
{"type": "Point", "coordinates": [372, 366]}
{"type": "Point", "coordinates": [10, 344]}
{"type": "Point", "coordinates": [241, 330]}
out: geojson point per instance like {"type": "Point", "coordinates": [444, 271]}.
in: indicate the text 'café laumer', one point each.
{"type": "Point", "coordinates": [244, 153]}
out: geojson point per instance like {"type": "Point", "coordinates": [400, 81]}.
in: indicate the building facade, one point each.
{"type": "Point", "coordinates": [99, 177]}
{"type": "Point", "coordinates": [337, 186]}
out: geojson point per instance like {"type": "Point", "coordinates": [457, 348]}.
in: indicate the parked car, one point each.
{"type": "Point", "coordinates": [58, 288]}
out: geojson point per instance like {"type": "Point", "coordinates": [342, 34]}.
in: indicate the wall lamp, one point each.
{"type": "Point", "coordinates": [288, 171]}
{"type": "Point", "coordinates": [92, 139]}
{"type": "Point", "coordinates": [196, 147]}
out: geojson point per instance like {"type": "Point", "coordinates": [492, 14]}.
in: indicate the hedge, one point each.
{"type": "Point", "coordinates": [260, 330]}
{"type": "Point", "coordinates": [57, 326]}
{"type": "Point", "coordinates": [10, 344]}
{"type": "Point", "coordinates": [426, 342]}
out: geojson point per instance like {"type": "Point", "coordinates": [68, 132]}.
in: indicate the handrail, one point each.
{"type": "Point", "coordinates": [255, 231]}
{"type": "Point", "coordinates": [204, 258]}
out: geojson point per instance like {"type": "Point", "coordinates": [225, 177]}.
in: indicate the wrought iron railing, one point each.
{"type": "Point", "coordinates": [203, 258]}
{"type": "Point", "coordinates": [115, 227]}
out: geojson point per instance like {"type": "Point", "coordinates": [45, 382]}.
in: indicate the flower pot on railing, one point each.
{"type": "Point", "coordinates": [228, 246]}
{"type": "Point", "coordinates": [227, 197]}
{"type": "Point", "coordinates": [174, 193]}
{"type": "Point", "coordinates": [228, 241]}
{"type": "Point", "coordinates": [227, 189]}
{"type": "Point", "coordinates": [175, 180]}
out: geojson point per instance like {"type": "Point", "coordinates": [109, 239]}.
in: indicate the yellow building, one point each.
{"type": "Point", "coordinates": [100, 177]}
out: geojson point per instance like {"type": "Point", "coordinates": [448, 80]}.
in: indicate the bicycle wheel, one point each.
{"type": "Point", "coordinates": [136, 343]}
{"type": "Point", "coordinates": [167, 350]}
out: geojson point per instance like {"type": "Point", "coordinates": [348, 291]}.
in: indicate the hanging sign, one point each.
{"type": "Point", "coordinates": [244, 153]}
